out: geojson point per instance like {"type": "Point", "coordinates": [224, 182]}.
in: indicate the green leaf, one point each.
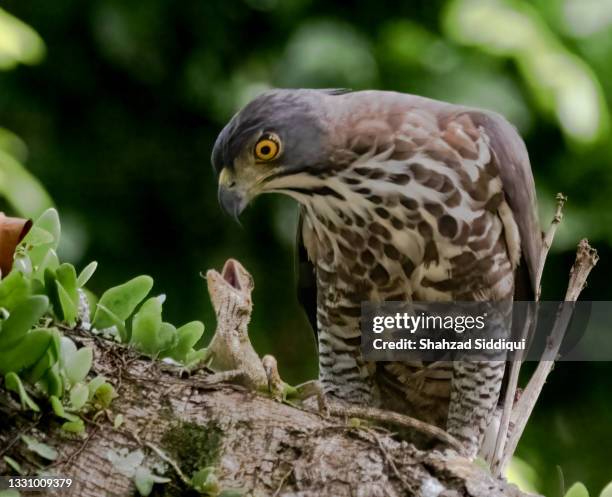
{"type": "Point", "coordinates": [46, 361]}
{"type": "Point", "coordinates": [79, 394]}
{"type": "Point", "coordinates": [577, 490]}
{"type": "Point", "coordinates": [607, 491]}
{"type": "Point", "coordinates": [27, 352]}
{"type": "Point", "coordinates": [20, 43]}
{"type": "Point", "coordinates": [122, 300]}
{"type": "Point", "coordinates": [51, 382]}
{"type": "Point", "coordinates": [22, 264]}
{"type": "Point", "coordinates": [144, 480]}
{"type": "Point", "coordinates": [193, 357]}
{"type": "Point", "coordinates": [167, 336]}
{"type": "Point", "coordinates": [78, 365]}
{"type": "Point", "coordinates": [66, 281]}
{"type": "Point", "coordinates": [66, 275]}
{"type": "Point", "coordinates": [146, 326]}
{"type": "Point", "coordinates": [68, 307]}
{"type": "Point", "coordinates": [38, 236]}
{"type": "Point", "coordinates": [40, 448]}
{"type": "Point", "coordinates": [50, 282]}
{"type": "Point", "coordinates": [94, 384]}
{"type": "Point", "coordinates": [67, 350]}
{"type": "Point", "coordinates": [22, 190]}
{"type": "Point", "coordinates": [13, 145]}
{"type": "Point", "coordinates": [104, 395]}
{"type": "Point", "coordinates": [13, 383]}
{"type": "Point", "coordinates": [522, 475]}
{"type": "Point", "coordinates": [58, 410]}
{"type": "Point", "coordinates": [105, 316]}
{"type": "Point", "coordinates": [24, 316]}
{"type": "Point", "coordinates": [205, 481]}
{"type": "Point", "coordinates": [14, 289]}
{"type": "Point", "coordinates": [76, 426]}
{"type": "Point", "coordinates": [49, 222]}
{"type": "Point", "coordinates": [38, 288]}
{"type": "Point", "coordinates": [57, 406]}
{"type": "Point", "coordinates": [87, 273]}
{"type": "Point", "coordinates": [71, 417]}
{"type": "Point", "coordinates": [187, 336]}
{"type": "Point", "coordinates": [118, 421]}
{"type": "Point", "coordinates": [49, 261]}
{"type": "Point", "coordinates": [13, 464]}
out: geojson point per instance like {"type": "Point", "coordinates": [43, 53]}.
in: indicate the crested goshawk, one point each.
{"type": "Point", "coordinates": [402, 198]}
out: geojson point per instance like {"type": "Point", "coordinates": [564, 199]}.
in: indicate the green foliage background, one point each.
{"type": "Point", "coordinates": [119, 104]}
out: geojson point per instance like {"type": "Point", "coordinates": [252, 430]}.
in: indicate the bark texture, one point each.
{"type": "Point", "coordinates": [175, 426]}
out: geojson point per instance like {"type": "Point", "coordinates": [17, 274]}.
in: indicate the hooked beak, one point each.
{"type": "Point", "coordinates": [232, 200]}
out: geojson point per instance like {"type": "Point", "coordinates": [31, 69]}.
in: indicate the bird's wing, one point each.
{"type": "Point", "coordinates": [512, 160]}
{"type": "Point", "coordinates": [519, 190]}
{"type": "Point", "coordinates": [305, 277]}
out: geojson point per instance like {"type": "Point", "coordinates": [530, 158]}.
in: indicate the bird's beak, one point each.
{"type": "Point", "coordinates": [232, 199]}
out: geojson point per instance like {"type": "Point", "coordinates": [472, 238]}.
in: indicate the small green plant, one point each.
{"type": "Point", "coordinates": [41, 299]}
{"type": "Point", "coordinates": [579, 490]}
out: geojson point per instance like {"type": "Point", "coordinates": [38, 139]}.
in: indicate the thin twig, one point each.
{"type": "Point", "coordinates": [170, 461]}
{"type": "Point", "coordinates": [78, 451]}
{"type": "Point", "coordinates": [163, 456]}
{"type": "Point", "coordinates": [17, 437]}
{"type": "Point", "coordinates": [528, 327]}
{"type": "Point", "coordinates": [547, 241]}
{"type": "Point", "coordinates": [586, 259]}
{"type": "Point", "coordinates": [511, 388]}
{"type": "Point", "coordinates": [396, 419]}
{"type": "Point", "coordinates": [389, 459]}
{"type": "Point", "coordinates": [283, 480]}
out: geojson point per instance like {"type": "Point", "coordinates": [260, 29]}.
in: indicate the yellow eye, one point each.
{"type": "Point", "coordinates": [267, 148]}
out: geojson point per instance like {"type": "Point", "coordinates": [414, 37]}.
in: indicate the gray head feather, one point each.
{"type": "Point", "coordinates": [296, 116]}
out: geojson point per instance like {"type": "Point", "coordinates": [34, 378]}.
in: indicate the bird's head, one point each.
{"type": "Point", "coordinates": [277, 136]}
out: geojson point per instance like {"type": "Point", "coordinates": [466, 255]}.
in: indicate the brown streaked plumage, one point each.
{"type": "Point", "coordinates": [402, 198]}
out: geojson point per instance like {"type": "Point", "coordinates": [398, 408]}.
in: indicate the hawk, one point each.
{"type": "Point", "coordinates": [402, 198]}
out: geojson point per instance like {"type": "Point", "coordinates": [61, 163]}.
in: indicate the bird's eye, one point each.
{"type": "Point", "coordinates": [267, 148]}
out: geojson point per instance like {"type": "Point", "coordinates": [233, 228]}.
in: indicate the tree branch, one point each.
{"type": "Point", "coordinates": [547, 241]}
{"type": "Point", "coordinates": [249, 441]}
{"type": "Point", "coordinates": [528, 327]}
{"type": "Point", "coordinates": [586, 259]}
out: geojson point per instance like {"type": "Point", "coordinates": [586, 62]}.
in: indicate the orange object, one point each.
{"type": "Point", "coordinates": [12, 231]}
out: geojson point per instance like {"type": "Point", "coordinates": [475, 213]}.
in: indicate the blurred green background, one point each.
{"type": "Point", "coordinates": [114, 107]}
